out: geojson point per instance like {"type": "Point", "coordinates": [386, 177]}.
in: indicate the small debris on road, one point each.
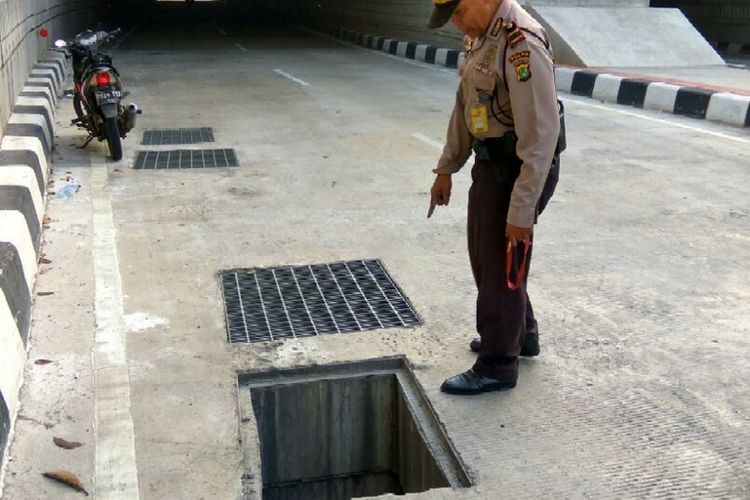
{"type": "Point", "coordinates": [68, 478]}
{"type": "Point", "coordinates": [68, 445]}
{"type": "Point", "coordinates": [69, 189]}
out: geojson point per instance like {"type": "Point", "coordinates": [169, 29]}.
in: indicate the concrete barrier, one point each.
{"type": "Point", "coordinates": [607, 87]}
{"type": "Point", "coordinates": [729, 108]}
{"type": "Point", "coordinates": [624, 37]}
{"type": "Point", "coordinates": [410, 50]}
{"type": "Point", "coordinates": [25, 148]}
{"type": "Point", "coordinates": [724, 107]}
{"type": "Point", "coordinates": [32, 79]}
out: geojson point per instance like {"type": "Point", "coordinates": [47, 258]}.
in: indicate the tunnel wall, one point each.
{"type": "Point", "coordinates": [31, 80]}
{"type": "Point", "coordinates": [718, 20]}
{"type": "Point", "coordinates": [401, 19]}
{"type": "Point", "coordinates": [20, 44]}
{"type": "Point", "coordinates": [406, 19]}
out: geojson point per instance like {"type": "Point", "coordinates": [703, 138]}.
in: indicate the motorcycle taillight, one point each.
{"type": "Point", "coordinates": [102, 79]}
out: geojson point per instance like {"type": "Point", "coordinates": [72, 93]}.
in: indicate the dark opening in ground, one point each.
{"type": "Point", "coordinates": [348, 431]}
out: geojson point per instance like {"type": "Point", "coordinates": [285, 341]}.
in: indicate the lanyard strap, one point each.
{"type": "Point", "coordinates": [521, 274]}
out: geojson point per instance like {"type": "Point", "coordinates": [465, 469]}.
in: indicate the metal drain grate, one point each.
{"type": "Point", "coordinates": [186, 158]}
{"type": "Point", "coordinates": [162, 137]}
{"type": "Point", "coordinates": [304, 301]}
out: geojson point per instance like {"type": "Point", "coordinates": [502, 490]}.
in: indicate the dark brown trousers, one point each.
{"type": "Point", "coordinates": [504, 316]}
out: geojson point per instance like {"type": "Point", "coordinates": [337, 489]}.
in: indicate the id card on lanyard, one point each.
{"type": "Point", "coordinates": [479, 121]}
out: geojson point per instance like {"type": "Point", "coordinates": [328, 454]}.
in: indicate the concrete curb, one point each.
{"type": "Point", "coordinates": [427, 53]}
{"type": "Point", "coordinates": [25, 148]}
{"type": "Point", "coordinates": [695, 102]}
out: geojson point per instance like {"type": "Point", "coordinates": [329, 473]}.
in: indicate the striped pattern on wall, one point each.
{"type": "Point", "coordinates": [25, 148]}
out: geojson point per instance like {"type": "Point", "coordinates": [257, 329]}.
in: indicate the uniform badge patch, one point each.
{"type": "Point", "coordinates": [515, 35]}
{"type": "Point", "coordinates": [520, 62]}
{"type": "Point", "coordinates": [483, 68]}
{"type": "Point", "coordinates": [490, 56]}
{"type": "Point", "coordinates": [468, 44]}
{"type": "Point", "coordinates": [523, 72]}
{"type": "Point", "coordinates": [496, 28]}
{"type": "Point", "coordinates": [524, 54]}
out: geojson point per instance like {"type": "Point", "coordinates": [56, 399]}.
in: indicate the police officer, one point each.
{"type": "Point", "coordinates": [506, 111]}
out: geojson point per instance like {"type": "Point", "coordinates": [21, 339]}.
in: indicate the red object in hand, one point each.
{"type": "Point", "coordinates": [43, 33]}
{"type": "Point", "coordinates": [102, 79]}
{"type": "Point", "coordinates": [521, 275]}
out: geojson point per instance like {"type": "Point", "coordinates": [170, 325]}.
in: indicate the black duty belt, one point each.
{"type": "Point", "coordinates": [496, 149]}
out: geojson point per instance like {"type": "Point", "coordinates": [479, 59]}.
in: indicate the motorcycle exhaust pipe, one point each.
{"type": "Point", "coordinates": [129, 117]}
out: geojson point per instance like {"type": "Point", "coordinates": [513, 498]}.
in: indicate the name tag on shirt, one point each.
{"type": "Point", "coordinates": [479, 123]}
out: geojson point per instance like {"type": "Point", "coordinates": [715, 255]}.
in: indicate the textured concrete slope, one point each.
{"type": "Point", "coordinates": [642, 37]}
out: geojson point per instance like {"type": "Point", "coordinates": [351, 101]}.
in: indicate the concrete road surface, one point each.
{"type": "Point", "coordinates": [640, 278]}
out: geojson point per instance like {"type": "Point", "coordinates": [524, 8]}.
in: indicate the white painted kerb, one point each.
{"type": "Point", "coordinates": [728, 108]}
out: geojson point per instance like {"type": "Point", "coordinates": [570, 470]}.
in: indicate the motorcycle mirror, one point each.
{"type": "Point", "coordinates": [60, 44]}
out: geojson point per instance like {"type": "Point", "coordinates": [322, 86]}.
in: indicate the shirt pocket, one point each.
{"type": "Point", "coordinates": [482, 84]}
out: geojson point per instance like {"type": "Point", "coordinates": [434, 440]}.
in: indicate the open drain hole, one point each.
{"type": "Point", "coordinates": [343, 431]}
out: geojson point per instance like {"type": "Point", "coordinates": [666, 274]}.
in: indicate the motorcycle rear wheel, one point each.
{"type": "Point", "coordinates": [113, 138]}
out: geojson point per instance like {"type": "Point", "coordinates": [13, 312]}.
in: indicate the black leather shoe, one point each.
{"type": "Point", "coordinates": [471, 383]}
{"type": "Point", "coordinates": [529, 349]}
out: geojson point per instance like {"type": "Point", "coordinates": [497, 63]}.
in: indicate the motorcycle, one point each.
{"type": "Point", "coordinates": [98, 91]}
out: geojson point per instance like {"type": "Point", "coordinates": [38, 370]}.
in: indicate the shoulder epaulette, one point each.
{"type": "Point", "coordinates": [514, 35]}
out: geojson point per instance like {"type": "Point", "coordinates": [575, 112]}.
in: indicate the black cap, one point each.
{"type": "Point", "coordinates": [442, 12]}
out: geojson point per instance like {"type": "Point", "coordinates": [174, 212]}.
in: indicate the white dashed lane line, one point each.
{"type": "Point", "coordinates": [427, 140]}
{"type": "Point", "coordinates": [292, 78]}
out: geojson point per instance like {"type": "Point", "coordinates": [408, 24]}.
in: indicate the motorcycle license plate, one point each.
{"type": "Point", "coordinates": [108, 96]}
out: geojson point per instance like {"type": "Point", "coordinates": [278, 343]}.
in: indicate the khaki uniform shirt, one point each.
{"type": "Point", "coordinates": [507, 54]}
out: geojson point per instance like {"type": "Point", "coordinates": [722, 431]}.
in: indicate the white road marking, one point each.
{"type": "Point", "coordinates": [427, 140]}
{"type": "Point", "coordinates": [657, 120]}
{"type": "Point", "coordinates": [292, 78]}
{"type": "Point", "coordinates": [116, 473]}
{"type": "Point", "coordinates": [223, 33]}
{"type": "Point", "coordinates": [243, 49]}
{"type": "Point", "coordinates": [141, 321]}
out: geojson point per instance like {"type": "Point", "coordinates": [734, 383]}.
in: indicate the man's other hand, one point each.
{"type": "Point", "coordinates": [440, 193]}
{"type": "Point", "coordinates": [517, 234]}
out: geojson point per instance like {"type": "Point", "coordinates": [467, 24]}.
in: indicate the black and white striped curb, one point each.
{"type": "Point", "coordinates": [724, 107]}
{"type": "Point", "coordinates": [450, 58]}
{"type": "Point", "coordinates": [695, 102]}
{"type": "Point", "coordinates": [731, 48]}
{"type": "Point", "coordinates": [25, 148]}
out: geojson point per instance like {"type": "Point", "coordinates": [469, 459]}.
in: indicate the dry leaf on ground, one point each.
{"type": "Point", "coordinates": [68, 478]}
{"type": "Point", "coordinates": [68, 445]}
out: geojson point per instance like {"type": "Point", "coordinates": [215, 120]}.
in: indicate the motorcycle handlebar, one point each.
{"type": "Point", "coordinates": [84, 37]}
